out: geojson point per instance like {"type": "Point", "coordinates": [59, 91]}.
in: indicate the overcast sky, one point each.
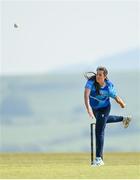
{"type": "Point", "coordinates": [52, 34]}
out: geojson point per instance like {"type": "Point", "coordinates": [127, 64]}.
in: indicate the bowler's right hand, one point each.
{"type": "Point", "coordinates": [90, 112]}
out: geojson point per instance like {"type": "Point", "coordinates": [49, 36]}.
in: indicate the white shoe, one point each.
{"type": "Point", "coordinates": [126, 121]}
{"type": "Point", "coordinates": [98, 162]}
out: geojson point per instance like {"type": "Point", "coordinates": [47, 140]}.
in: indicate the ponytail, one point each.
{"type": "Point", "coordinates": [92, 77]}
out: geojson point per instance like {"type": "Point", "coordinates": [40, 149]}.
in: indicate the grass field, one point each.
{"type": "Point", "coordinates": [68, 166]}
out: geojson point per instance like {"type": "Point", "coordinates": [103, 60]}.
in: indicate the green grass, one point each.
{"type": "Point", "coordinates": [68, 166]}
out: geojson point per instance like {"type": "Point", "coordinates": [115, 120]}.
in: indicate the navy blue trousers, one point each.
{"type": "Point", "coordinates": [102, 117]}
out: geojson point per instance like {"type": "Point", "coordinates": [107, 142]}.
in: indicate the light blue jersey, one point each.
{"type": "Point", "coordinates": [102, 100]}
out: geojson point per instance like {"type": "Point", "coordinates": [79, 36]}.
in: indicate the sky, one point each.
{"type": "Point", "coordinates": [52, 34]}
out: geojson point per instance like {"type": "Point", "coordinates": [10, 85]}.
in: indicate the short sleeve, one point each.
{"type": "Point", "coordinates": [112, 91]}
{"type": "Point", "coordinates": [89, 84]}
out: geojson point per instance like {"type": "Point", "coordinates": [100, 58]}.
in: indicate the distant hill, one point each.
{"type": "Point", "coordinates": [129, 60]}
{"type": "Point", "coordinates": [123, 61]}
{"type": "Point", "coordinates": [46, 113]}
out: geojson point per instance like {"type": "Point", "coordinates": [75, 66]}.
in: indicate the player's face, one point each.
{"type": "Point", "coordinates": [100, 77]}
